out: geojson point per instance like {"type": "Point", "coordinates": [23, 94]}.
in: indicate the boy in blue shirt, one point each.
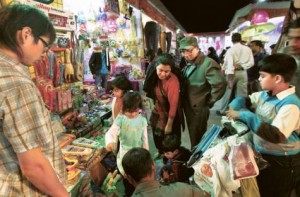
{"type": "Point", "coordinates": [275, 120]}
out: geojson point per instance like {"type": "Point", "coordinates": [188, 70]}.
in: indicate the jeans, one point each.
{"type": "Point", "coordinates": [101, 79]}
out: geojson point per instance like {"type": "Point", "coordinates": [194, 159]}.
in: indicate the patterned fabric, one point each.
{"type": "Point", "coordinates": [26, 126]}
{"type": "Point", "coordinates": [130, 132]}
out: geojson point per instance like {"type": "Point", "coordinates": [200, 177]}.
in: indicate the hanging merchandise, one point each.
{"type": "Point", "coordinates": [69, 70]}
{"type": "Point", "coordinates": [112, 7]}
{"type": "Point", "coordinates": [77, 58]}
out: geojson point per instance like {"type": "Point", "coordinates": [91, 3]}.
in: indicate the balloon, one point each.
{"type": "Point", "coordinates": [260, 16]}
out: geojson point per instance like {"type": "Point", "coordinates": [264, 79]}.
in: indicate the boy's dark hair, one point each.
{"type": "Point", "coordinates": [132, 101]}
{"type": "Point", "coordinates": [137, 163]}
{"type": "Point", "coordinates": [170, 143]}
{"type": "Point", "coordinates": [236, 37]}
{"type": "Point", "coordinates": [121, 82]}
{"type": "Point", "coordinates": [15, 17]}
{"type": "Point", "coordinates": [279, 64]}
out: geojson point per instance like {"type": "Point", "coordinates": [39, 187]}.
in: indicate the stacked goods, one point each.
{"type": "Point", "coordinates": [111, 181]}
{"type": "Point", "coordinates": [65, 139]}
{"type": "Point", "coordinates": [76, 152]}
{"type": "Point", "coordinates": [84, 142]}
{"type": "Point", "coordinates": [73, 172]}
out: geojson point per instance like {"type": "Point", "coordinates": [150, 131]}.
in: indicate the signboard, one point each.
{"type": "Point", "coordinates": [60, 19]}
{"type": "Point", "coordinates": [112, 6]}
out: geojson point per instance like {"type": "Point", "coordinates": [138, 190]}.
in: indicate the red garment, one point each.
{"type": "Point", "coordinates": [170, 90]}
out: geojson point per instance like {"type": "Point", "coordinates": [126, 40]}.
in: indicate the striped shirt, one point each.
{"type": "Point", "coordinates": [26, 125]}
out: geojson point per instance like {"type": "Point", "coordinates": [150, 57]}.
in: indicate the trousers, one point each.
{"type": "Point", "coordinates": [281, 177]}
{"type": "Point", "coordinates": [152, 33]}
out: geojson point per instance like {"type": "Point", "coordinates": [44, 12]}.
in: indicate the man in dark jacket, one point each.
{"type": "Point", "coordinates": [204, 86]}
{"type": "Point", "coordinates": [100, 66]}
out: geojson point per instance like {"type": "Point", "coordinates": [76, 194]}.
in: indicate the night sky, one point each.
{"type": "Point", "coordinates": [200, 16]}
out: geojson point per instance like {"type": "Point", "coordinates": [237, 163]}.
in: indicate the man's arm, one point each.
{"type": "Point", "coordinates": [216, 81]}
{"type": "Point", "coordinates": [266, 131]}
{"type": "Point", "coordinates": [37, 169]}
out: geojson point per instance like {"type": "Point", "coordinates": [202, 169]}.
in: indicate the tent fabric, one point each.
{"type": "Point", "coordinates": [273, 8]}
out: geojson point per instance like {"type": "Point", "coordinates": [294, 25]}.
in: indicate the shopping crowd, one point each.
{"type": "Point", "coordinates": [258, 88]}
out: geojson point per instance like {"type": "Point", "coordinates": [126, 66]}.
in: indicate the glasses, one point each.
{"type": "Point", "coordinates": [187, 50]}
{"type": "Point", "coordinates": [46, 45]}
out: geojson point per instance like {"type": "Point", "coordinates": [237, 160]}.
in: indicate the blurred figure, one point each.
{"type": "Point", "coordinates": [294, 50]}
{"type": "Point", "coordinates": [272, 47]}
{"type": "Point", "coordinates": [257, 48]}
{"type": "Point", "coordinates": [99, 65]}
{"type": "Point", "coordinates": [213, 54]}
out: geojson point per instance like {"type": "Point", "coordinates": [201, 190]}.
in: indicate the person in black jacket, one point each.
{"type": "Point", "coordinates": [99, 66]}
{"type": "Point", "coordinates": [212, 53]}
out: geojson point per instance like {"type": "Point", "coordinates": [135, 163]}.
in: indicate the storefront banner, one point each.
{"type": "Point", "coordinates": [61, 19]}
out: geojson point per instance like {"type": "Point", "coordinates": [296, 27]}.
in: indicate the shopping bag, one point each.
{"type": "Point", "coordinates": [242, 162]}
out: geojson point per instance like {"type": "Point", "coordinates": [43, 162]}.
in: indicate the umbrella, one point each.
{"type": "Point", "coordinates": [257, 29]}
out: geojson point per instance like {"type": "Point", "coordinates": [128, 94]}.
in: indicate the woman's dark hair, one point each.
{"type": "Point", "coordinates": [15, 17]}
{"type": "Point", "coordinates": [152, 79]}
{"type": "Point", "coordinates": [165, 59]}
{"type": "Point", "coordinates": [132, 101]}
{"type": "Point", "coordinates": [279, 64]}
{"type": "Point", "coordinates": [213, 54]}
{"type": "Point", "coordinates": [170, 143]}
{"type": "Point", "coordinates": [212, 50]}
{"type": "Point", "coordinates": [137, 163]}
{"type": "Point", "coordinates": [121, 82]}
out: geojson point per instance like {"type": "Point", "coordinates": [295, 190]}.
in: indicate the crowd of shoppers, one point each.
{"type": "Point", "coordinates": [260, 89]}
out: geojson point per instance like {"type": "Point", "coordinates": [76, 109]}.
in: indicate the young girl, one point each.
{"type": "Point", "coordinates": [130, 128]}
{"type": "Point", "coordinates": [120, 85]}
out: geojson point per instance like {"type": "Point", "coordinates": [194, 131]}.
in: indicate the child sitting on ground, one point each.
{"type": "Point", "coordinates": [175, 160]}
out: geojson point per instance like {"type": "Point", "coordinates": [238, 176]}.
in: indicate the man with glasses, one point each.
{"type": "Point", "coordinates": [31, 160]}
{"type": "Point", "coordinates": [204, 86]}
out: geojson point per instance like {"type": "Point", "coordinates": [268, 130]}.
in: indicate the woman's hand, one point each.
{"type": "Point", "coordinates": [168, 129]}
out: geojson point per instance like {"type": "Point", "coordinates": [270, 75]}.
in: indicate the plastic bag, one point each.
{"type": "Point", "coordinates": [212, 173]}
{"type": "Point", "coordinates": [242, 162]}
